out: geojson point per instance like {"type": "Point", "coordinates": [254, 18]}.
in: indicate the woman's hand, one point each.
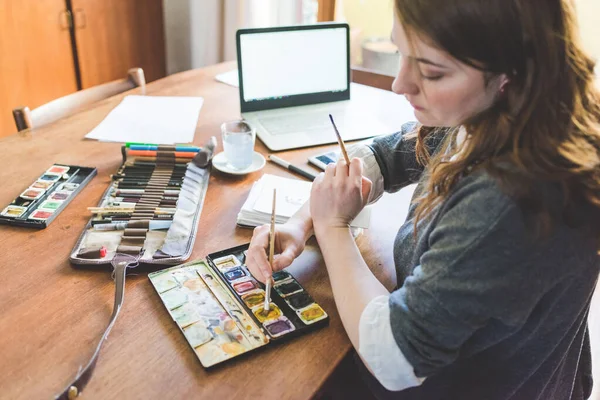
{"type": "Point", "coordinates": [338, 195]}
{"type": "Point", "coordinates": [290, 239]}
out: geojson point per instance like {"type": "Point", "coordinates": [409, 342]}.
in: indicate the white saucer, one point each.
{"type": "Point", "coordinates": [220, 162]}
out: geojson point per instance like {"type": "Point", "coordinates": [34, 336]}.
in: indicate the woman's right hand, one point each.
{"type": "Point", "coordinates": [290, 239]}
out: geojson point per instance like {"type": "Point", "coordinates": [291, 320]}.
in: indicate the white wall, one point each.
{"type": "Point", "coordinates": [202, 32]}
{"type": "Point", "coordinates": [177, 35]}
{"type": "Point", "coordinates": [588, 12]}
{"type": "Point", "coordinates": [195, 29]}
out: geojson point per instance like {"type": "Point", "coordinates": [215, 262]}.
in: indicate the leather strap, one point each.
{"type": "Point", "coordinates": [120, 264]}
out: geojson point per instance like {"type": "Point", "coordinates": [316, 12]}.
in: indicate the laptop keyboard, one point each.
{"type": "Point", "coordinates": [300, 122]}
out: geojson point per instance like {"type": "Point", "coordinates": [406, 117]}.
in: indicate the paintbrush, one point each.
{"type": "Point", "coordinates": [111, 219]}
{"type": "Point", "coordinates": [340, 141]}
{"type": "Point", "coordinates": [269, 282]}
{"type": "Point", "coordinates": [130, 210]}
{"type": "Point", "coordinates": [118, 192]}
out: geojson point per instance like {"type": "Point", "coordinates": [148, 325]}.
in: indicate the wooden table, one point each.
{"type": "Point", "coordinates": [53, 315]}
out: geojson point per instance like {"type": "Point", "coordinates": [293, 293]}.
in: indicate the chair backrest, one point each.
{"type": "Point", "coordinates": [69, 104]}
{"type": "Point", "coordinates": [371, 78]}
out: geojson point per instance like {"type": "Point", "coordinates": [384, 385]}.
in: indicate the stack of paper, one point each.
{"type": "Point", "coordinates": [291, 195]}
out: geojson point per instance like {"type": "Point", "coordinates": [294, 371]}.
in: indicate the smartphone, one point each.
{"type": "Point", "coordinates": [321, 160]}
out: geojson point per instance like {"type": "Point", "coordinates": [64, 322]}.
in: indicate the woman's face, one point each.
{"type": "Point", "coordinates": [442, 90]}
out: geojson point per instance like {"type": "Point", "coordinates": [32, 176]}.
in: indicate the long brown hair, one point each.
{"type": "Point", "coordinates": [545, 127]}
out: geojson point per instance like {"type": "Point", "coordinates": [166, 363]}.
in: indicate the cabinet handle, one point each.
{"type": "Point", "coordinates": [80, 18]}
{"type": "Point", "coordinates": [65, 20]}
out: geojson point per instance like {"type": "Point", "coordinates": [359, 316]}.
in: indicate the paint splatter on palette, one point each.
{"type": "Point", "coordinates": [218, 306]}
{"type": "Point", "coordinates": [47, 196]}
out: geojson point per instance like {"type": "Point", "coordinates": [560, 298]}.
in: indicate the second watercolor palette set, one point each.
{"type": "Point", "coordinates": [218, 306]}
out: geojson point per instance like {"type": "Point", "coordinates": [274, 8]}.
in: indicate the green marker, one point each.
{"type": "Point", "coordinates": [129, 144]}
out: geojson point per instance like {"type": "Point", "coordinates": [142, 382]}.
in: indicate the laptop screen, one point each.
{"type": "Point", "coordinates": [292, 66]}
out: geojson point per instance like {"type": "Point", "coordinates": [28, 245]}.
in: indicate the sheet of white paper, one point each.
{"type": "Point", "coordinates": [230, 78]}
{"type": "Point", "coordinates": [150, 119]}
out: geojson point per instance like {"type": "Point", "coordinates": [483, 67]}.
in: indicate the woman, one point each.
{"type": "Point", "coordinates": [498, 258]}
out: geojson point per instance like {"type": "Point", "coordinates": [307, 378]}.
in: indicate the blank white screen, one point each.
{"type": "Point", "coordinates": [289, 63]}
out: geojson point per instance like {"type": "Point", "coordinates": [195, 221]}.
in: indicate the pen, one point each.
{"type": "Point", "coordinates": [130, 144]}
{"type": "Point", "coordinates": [119, 226]}
{"type": "Point", "coordinates": [153, 147]}
{"type": "Point", "coordinates": [340, 141]}
{"type": "Point", "coordinates": [293, 168]}
{"type": "Point", "coordinates": [155, 153]}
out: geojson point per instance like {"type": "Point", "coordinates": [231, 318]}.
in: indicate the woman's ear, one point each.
{"type": "Point", "coordinates": [503, 82]}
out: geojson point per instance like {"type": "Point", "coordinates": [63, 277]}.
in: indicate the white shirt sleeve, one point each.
{"type": "Point", "coordinates": [379, 350]}
{"type": "Point", "coordinates": [371, 169]}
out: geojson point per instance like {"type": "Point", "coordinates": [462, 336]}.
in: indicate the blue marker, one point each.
{"type": "Point", "coordinates": [152, 147]}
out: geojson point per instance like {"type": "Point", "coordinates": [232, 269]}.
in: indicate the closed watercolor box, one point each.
{"type": "Point", "coordinates": [218, 306]}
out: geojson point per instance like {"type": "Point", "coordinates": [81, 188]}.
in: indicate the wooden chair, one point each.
{"type": "Point", "coordinates": [368, 77]}
{"type": "Point", "coordinates": [69, 104]}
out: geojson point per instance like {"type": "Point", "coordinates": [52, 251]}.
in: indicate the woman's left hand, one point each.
{"type": "Point", "coordinates": [338, 195]}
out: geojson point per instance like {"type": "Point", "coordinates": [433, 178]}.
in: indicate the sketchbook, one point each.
{"type": "Point", "coordinates": [291, 195]}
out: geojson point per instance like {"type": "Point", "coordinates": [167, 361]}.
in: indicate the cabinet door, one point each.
{"type": "Point", "coordinates": [326, 10]}
{"type": "Point", "coordinates": [115, 35]}
{"type": "Point", "coordinates": [36, 58]}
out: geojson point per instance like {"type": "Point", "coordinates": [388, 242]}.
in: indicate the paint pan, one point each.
{"type": "Point", "coordinates": [234, 273]}
{"type": "Point", "coordinates": [254, 298]}
{"type": "Point", "coordinates": [60, 195]}
{"type": "Point", "coordinates": [68, 186]}
{"type": "Point", "coordinates": [227, 262]}
{"type": "Point", "coordinates": [50, 205]}
{"type": "Point", "coordinates": [281, 276]}
{"type": "Point", "coordinates": [41, 215]}
{"type": "Point", "coordinates": [32, 194]}
{"type": "Point", "coordinates": [13, 211]}
{"type": "Point", "coordinates": [312, 314]}
{"type": "Point", "coordinates": [288, 287]}
{"type": "Point", "coordinates": [299, 300]}
{"type": "Point", "coordinates": [58, 169]}
{"type": "Point", "coordinates": [42, 184]}
{"type": "Point", "coordinates": [245, 286]}
{"type": "Point", "coordinates": [274, 313]}
{"type": "Point", "coordinates": [47, 177]}
{"type": "Point", "coordinates": [279, 327]}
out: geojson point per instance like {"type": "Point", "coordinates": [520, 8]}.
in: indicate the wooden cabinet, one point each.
{"type": "Point", "coordinates": [326, 10]}
{"type": "Point", "coordinates": [115, 35]}
{"type": "Point", "coordinates": [50, 48]}
{"type": "Point", "coordinates": [36, 58]}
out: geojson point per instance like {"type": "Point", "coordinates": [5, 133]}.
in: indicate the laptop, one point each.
{"type": "Point", "coordinates": [292, 78]}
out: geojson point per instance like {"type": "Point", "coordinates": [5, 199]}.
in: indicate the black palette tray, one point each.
{"type": "Point", "coordinates": [300, 297]}
{"type": "Point", "coordinates": [39, 204]}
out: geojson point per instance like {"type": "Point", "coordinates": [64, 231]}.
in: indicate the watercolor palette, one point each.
{"type": "Point", "coordinates": [218, 306]}
{"type": "Point", "coordinates": [47, 196]}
